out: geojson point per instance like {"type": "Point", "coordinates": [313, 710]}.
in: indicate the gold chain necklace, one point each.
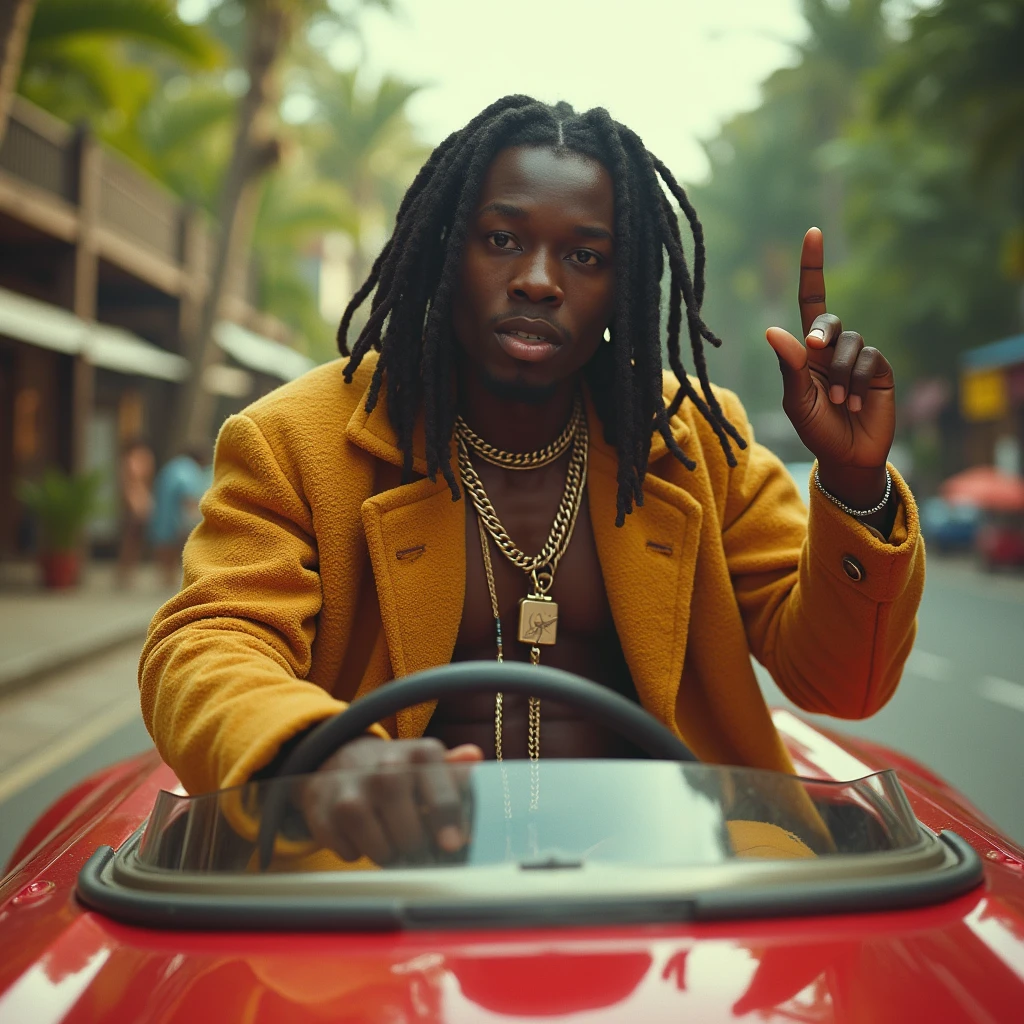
{"type": "Point", "coordinates": [522, 460]}
{"type": "Point", "coordinates": [538, 613]}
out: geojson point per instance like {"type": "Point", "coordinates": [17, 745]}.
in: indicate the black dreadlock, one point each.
{"type": "Point", "coordinates": [416, 273]}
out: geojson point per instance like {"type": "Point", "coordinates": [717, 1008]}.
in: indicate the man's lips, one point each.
{"type": "Point", "coordinates": [527, 350]}
{"type": "Point", "coordinates": [528, 340]}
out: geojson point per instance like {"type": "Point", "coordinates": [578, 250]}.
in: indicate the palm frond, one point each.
{"type": "Point", "coordinates": [149, 21]}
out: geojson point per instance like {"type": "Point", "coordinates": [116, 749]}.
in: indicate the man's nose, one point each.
{"type": "Point", "coordinates": [536, 281]}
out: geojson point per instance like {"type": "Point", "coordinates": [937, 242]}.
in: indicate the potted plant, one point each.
{"type": "Point", "coordinates": [63, 505]}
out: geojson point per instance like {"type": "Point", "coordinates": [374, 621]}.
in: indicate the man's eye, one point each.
{"type": "Point", "coordinates": [503, 240]}
{"type": "Point", "coordinates": [585, 258]}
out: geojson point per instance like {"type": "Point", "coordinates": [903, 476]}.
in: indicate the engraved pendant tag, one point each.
{"type": "Point", "coordinates": [538, 620]}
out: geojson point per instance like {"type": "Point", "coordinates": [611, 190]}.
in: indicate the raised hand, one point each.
{"type": "Point", "coordinates": [838, 392]}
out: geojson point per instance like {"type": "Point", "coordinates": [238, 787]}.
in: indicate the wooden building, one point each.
{"type": "Point", "coordinates": [103, 273]}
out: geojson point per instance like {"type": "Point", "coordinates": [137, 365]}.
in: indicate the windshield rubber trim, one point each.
{"type": "Point", "coordinates": [99, 892]}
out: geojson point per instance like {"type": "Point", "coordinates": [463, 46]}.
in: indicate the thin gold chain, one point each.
{"type": "Point", "coordinates": [522, 460]}
{"type": "Point", "coordinates": [533, 729]}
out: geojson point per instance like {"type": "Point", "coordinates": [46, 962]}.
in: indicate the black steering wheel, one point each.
{"type": "Point", "coordinates": [463, 678]}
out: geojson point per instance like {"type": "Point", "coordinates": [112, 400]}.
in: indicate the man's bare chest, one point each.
{"type": "Point", "coordinates": [586, 644]}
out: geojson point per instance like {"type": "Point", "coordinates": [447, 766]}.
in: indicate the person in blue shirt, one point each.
{"type": "Point", "coordinates": [179, 485]}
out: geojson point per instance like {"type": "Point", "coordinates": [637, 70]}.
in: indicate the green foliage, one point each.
{"type": "Point", "coordinates": [99, 61]}
{"type": "Point", "coordinates": [118, 65]}
{"type": "Point", "coordinates": [63, 505]}
{"type": "Point", "coordinates": [876, 136]}
{"type": "Point", "coordinates": [154, 22]}
{"type": "Point", "coordinates": [963, 66]}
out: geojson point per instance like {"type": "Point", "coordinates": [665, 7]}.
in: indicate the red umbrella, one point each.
{"type": "Point", "coordinates": [987, 488]}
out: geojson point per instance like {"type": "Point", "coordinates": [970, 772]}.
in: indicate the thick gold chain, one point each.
{"type": "Point", "coordinates": [522, 460]}
{"type": "Point", "coordinates": [565, 518]}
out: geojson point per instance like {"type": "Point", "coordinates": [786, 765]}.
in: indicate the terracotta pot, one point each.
{"type": "Point", "coordinates": [60, 568]}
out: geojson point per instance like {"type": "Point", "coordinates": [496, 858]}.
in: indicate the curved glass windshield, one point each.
{"type": "Point", "coordinates": [551, 814]}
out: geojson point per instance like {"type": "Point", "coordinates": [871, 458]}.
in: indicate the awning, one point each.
{"type": "Point", "coordinates": [261, 354]}
{"type": "Point", "coordinates": [122, 352]}
{"type": "Point", "coordinates": [40, 324]}
{"type": "Point", "coordinates": [111, 348]}
{"type": "Point", "coordinates": [995, 354]}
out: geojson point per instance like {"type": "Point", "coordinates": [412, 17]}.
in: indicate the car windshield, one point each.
{"type": "Point", "coordinates": [562, 813]}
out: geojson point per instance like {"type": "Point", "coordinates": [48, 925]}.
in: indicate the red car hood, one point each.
{"type": "Point", "coordinates": [958, 961]}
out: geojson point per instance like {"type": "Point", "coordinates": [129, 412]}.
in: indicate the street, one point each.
{"type": "Point", "coordinates": [959, 708]}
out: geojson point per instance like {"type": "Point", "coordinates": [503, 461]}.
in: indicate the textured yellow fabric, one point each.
{"type": "Point", "coordinates": [315, 577]}
{"type": "Point", "coordinates": [762, 839]}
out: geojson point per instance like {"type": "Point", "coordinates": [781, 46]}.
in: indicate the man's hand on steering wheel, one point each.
{"type": "Point", "coordinates": [391, 801]}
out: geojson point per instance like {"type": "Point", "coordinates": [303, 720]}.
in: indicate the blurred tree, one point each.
{"type": "Point", "coordinates": [351, 158]}
{"type": "Point", "coordinates": [768, 184]}
{"type": "Point", "coordinates": [94, 61]}
{"type": "Point", "coordinates": [15, 20]}
{"type": "Point", "coordinates": [923, 280]}
{"type": "Point", "coordinates": [964, 63]}
{"type": "Point", "coordinates": [366, 144]}
{"type": "Point", "coordinates": [962, 72]}
{"type": "Point", "coordinates": [271, 27]}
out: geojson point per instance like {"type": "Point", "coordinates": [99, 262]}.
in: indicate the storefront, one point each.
{"type": "Point", "coordinates": [992, 403]}
{"type": "Point", "coordinates": [39, 346]}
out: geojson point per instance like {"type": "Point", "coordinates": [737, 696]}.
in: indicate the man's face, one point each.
{"type": "Point", "coordinates": [537, 279]}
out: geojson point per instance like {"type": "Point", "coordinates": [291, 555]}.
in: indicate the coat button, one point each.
{"type": "Point", "coordinates": [853, 568]}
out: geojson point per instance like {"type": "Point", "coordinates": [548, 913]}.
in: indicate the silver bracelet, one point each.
{"type": "Point", "coordinates": [858, 512]}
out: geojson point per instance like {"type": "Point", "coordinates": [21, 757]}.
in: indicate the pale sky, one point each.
{"type": "Point", "coordinates": [672, 70]}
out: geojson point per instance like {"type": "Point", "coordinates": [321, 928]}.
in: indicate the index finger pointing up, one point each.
{"type": "Point", "coordinates": [812, 278]}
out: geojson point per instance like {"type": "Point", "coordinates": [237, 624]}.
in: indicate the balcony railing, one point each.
{"type": "Point", "coordinates": [140, 208]}
{"type": "Point", "coordinates": [39, 149]}
{"type": "Point", "coordinates": [45, 153]}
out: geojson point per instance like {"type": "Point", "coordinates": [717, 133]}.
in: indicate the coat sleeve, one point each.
{"type": "Point", "coordinates": [832, 643]}
{"type": "Point", "coordinates": [222, 673]}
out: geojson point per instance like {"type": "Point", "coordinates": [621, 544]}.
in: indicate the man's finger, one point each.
{"type": "Point", "coordinates": [824, 331]}
{"type": "Point", "coordinates": [392, 788]}
{"type": "Point", "coordinates": [848, 348]}
{"type": "Point", "coordinates": [442, 798]}
{"type": "Point", "coordinates": [811, 292]}
{"type": "Point", "coordinates": [354, 818]}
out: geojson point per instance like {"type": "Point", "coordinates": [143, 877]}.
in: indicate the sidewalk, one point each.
{"type": "Point", "coordinates": [42, 631]}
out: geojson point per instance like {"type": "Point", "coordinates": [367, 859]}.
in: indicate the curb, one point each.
{"type": "Point", "coordinates": [27, 668]}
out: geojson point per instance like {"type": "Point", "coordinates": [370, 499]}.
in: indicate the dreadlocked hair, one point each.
{"type": "Point", "coordinates": [414, 278]}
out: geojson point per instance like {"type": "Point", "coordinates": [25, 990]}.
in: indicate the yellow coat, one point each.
{"type": "Point", "coordinates": [316, 577]}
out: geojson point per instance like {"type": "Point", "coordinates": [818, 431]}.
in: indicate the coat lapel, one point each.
{"type": "Point", "coordinates": [648, 566]}
{"type": "Point", "coordinates": [415, 535]}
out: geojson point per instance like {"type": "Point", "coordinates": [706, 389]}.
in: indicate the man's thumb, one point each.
{"type": "Point", "coordinates": [796, 377]}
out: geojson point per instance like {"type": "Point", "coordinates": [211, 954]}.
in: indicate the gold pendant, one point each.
{"type": "Point", "coordinates": [538, 620]}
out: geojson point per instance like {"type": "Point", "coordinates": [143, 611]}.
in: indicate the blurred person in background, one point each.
{"type": "Point", "coordinates": [135, 479]}
{"type": "Point", "coordinates": [179, 485]}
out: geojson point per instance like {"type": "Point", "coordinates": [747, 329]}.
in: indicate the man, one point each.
{"type": "Point", "coordinates": [516, 316]}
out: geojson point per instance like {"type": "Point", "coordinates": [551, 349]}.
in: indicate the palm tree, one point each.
{"type": "Point", "coordinates": [270, 28]}
{"type": "Point", "coordinates": [962, 68]}
{"type": "Point", "coordinates": [963, 61]}
{"type": "Point", "coordinates": [71, 56]}
{"type": "Point", "coordinates": [15, 19]}
{"type": "Point", "coordinates": [367, 147]}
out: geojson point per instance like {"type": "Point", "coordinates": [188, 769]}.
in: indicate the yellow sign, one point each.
{"type": "Point", "coordinates": [983, 395]}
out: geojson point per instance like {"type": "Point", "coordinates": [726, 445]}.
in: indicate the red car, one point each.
{"type": "Point", "coordinates": [641, 890]}
{"type": "Point", "coordinates": [1000, 540]}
